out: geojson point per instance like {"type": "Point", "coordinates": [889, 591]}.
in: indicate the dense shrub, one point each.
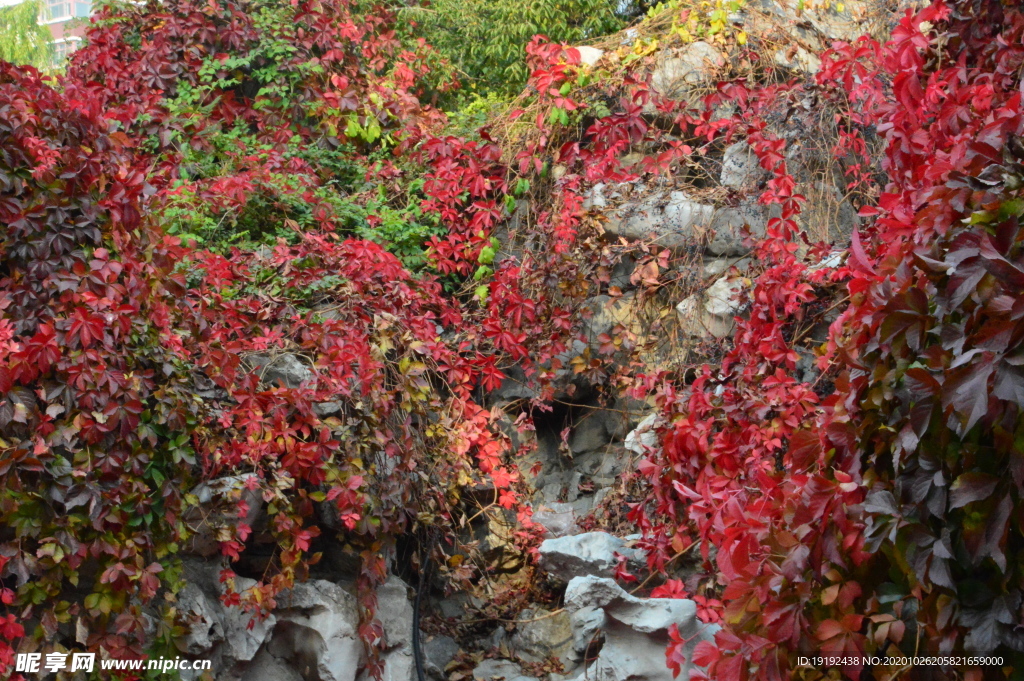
{"type": "Point", "coordinates": [485, 40]}
{"type": "Point", "coordinates": [876, 510]}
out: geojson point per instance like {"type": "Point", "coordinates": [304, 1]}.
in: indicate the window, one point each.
{"type": "Point", "coordinates": [63, 48]}
{"type": "Point", "coordinates": [58, 9]}
{"type": "Point", "coordinates": [62, 10]}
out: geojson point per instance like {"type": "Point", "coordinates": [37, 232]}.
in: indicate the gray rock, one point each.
{"type": "Point", "coordinates": [798, 59]}
{"type": "Point", "coordinates": [730, 225]}
{"type": "Point", "coordinates": [589, 433]}
{"type": "Point", "coordinates": [394, 610]}
{"type": "Point", "coordinates": [827, 215]}
{"type": "Point", "coordinates": [636, 629]}
{"type": "Point", "coordinates": [643, 436]}
{"type": "Point", "coordinates": [548, 635]}
{"type": "Point", "coordinates": [514, 387]}
{"type": "Point", "coordinates": [244, 633]}
{"type": "Point", "coordinates": [216, 513]}
{"type": "Point", "coordinates": [588, 626]}
{"type": "Point", "coordinates": [605, 463]}
{"type": "Point", "coordinates": [437, 653]}
{"type": "Point", "coordinates": [740, 166]}
{"type": "Point", "coordinates": [712, 313]}
{"type": "Point", "coordinates": [285, 369]}
{"type": "Point", "coordinates": [324, 409]}
{"type": "Point", "coordinates": [494, 670]}
{"type": "Point", "coordinates": [675, 221]}
{"type": "Point", "coordinates": [590, 553]}
{"type": "Point", "coordinates": [317, 630]}
{"type": "Point", "coordinates": [212, 629]}
{"type": "Point", "coordinates": [674, 74]}
{"type": "Point", "coordinates": [266, 667]}
{"type": "Point", "coordinates": [203, 628]}
{"type": "Point", "coordinates": [558, 520]}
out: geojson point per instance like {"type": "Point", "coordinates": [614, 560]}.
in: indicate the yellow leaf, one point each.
{"type": "Point", "coordinates": [741, 38]}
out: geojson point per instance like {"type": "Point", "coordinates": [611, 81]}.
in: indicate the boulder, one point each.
{"type": "Point", "coordinates": [636, 630]}
{"type": "Point", "coordinates": [227, 634]}
{"type": "Point", "coordinates": [590, 432]}
{"type": "Point", "coordinates": [588, 624]}
{"type": "Point", "coordinates": [266, 667]}
{"type": "Point", "coordinates": [676, 72]}
{"type": "Point", "coordinates": [541, 634]}
{"type": "Point", "coordinates": [285, 369]}
{"type": "Point", "coordinates": [740, 166]}
{"type": "Point", "coordinates": [712, 314]}
{"type": "Point", "coordinates": [437, 653]}
{"type": "Point", "coordinates": [607, 313]}
{"type": "Point", "coordinates": [673, 221]}
{"type": "Point", "coordinates": [394, 610]}
{"type": "Point", "coordinates": [731, 224]}
{"type": "Point", "coordinates": [643, 437]}
{"type": "Point", "coordinates": [827, 215]}
{"type": "Point", "coordinates": [317, 630]}
{"type": "Point", "coordinates": [217, 512]}
{"type": "Point", "coordinates": [590, 553]}
{"type": "Point", "coordinates": [496, 670]}
{"type": "Point", "coordinates": [558, 520]}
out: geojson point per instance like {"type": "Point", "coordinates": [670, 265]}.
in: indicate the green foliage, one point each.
{"type": "Point", "coordinates": [485, 39]}
{"type": "Point", "coordinates": [22, 40]}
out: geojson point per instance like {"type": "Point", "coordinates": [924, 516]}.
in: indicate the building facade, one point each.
{"type": "Point", "coordinates": [67, 20]}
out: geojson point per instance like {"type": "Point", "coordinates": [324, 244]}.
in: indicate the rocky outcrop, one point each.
{"type": "Point", "coordinates": [713, 312]}
{"type": "Point", "coordinates": [311, 635]}
{"type": "Point", "coordinates": [591, 553]}
{"type": "Point", "coordinates": [676, 71]}
{"type": "Point", "coordinates": [217, 511]}
{"type": "Point", "coordinates": [635, 630]}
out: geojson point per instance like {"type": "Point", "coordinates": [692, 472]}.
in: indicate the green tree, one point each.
{"type": "Point", "coordinates": [485, 39]}
{"type": "Point", "coordinates": [22, 39]}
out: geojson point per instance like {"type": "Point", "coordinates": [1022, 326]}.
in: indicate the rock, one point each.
{"type": "Point", "coordinates": [827, 215]}
{"type": "Point", "coordinates": [548, 635]}
{"type": "Point", "coordinates": [590, 553]}
{"type": "Point", "coordinates": [317, 630]}
{"type": "Point", "coordinates": [798, 59]}
{"type": "Point", "coordinates": [635, 629]}
{"type": "Point", "coordinates": [558, 520]}
{"type": "Point", "coordinates": [244, 633]}
{"type": "Point", "coordinates": [589, 433]}
{"type": "Point", "coordinates": [394, 610]}
{"type": "Point", "coordinates": [604, 463]}
{"type": "Point", "coordinates": [643, 436]}
{"type": "Point", "coordinates": [285, 370]}
{"type": "Point", "coordinates": [713, 313]}
{"type": "Point", "coordinates": [740, 166]}
{"type": "Point", "coordinates": [266, 667]}
{"type": "Point", "coordinates": [495, 670]}
{"type": "Point", "coordinates": [673, 75]}
{"type": "Point", "coordinates": [203, 629]}
{"type": "Point", "coordinates": [590, 55]}
{"type": "Point", "coordinates": [731, 224]}
{"type": "Point", "coordinates": [212, 520]}
{"type": "Point", "coordinates": [588, 625]}
{"type": "Point", "coordinates": [437, 653]}
{"type": "Point", "coordinates": [675, 221]}
{"type": "Point", "coordinates": [324, 409]}
{"type": "Point", "coordinates": [609, 312]}
{"type": "Point", "coordinates": [212, 629]}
